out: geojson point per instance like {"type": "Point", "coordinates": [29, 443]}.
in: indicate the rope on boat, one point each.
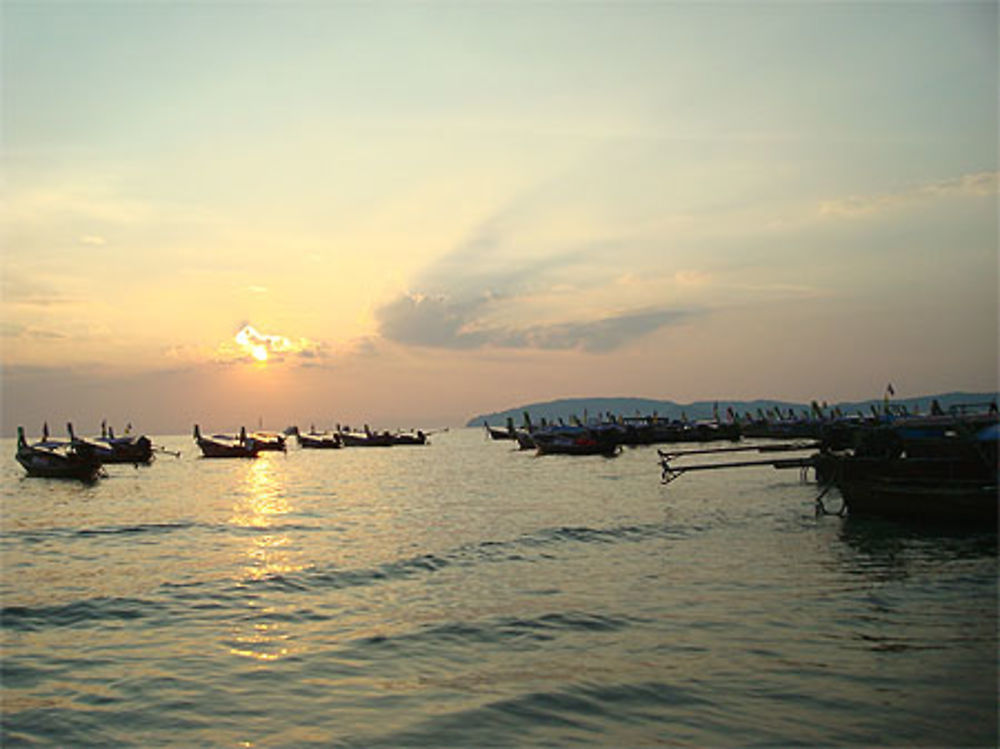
{"type": "Point", "coordinates": [820, 506]}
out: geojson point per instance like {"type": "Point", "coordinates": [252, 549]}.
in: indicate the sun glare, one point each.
{"type": "Point", "coordinates": [250, 345]}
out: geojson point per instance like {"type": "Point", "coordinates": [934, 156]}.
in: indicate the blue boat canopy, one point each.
{"type": "Point", "coordinates": [989, 434]}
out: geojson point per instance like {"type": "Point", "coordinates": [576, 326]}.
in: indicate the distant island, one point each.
{"type": "Point", "coordinates": [567, 408]}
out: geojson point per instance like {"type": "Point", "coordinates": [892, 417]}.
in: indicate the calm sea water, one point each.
{"type": "Point", "coordinates": [466, 594]}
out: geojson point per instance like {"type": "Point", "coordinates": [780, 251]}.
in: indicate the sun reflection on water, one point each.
{"type": "Point", "coordinates": [270, 555]}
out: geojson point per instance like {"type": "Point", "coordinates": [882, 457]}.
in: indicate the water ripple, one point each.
{"type": "Point", "coordinates": [79, 613]}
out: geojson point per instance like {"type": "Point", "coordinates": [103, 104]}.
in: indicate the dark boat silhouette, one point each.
{"type": "Point", "coordinates": [69, 460]}
{"type": "Point", "coordinates": [226, 446]}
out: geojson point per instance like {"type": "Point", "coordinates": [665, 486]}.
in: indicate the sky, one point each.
{"type": "Point", "coordinates": [407, 214]}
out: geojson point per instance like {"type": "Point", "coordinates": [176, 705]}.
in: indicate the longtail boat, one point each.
{"type": "Point", "coordinates": [367, 438]}
{"type": "Point", "coordinates": [65, 460]}
{"type": "Point", "coordinates": [111, 449]}
{"type": "Point", "coordinates": [578, 440]}
{"type": "Point", "coordinates": [938, 469]}
{"type": "Point", "coordinates": [317, 440]}
{"type": "Point", "coordinates": [225, 446]}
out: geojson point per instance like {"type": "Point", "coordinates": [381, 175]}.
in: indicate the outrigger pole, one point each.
{"type": "Point", "coordinates": [775, 448]}
{"type": "Point", "coordinates": [672, 472]}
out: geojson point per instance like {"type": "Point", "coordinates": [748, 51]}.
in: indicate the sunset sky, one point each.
{"type": "Point", "coordinates": [416, 212]}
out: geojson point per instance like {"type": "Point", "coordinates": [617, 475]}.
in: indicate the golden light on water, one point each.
{"type": "Point", "coordinates": [268, 554]}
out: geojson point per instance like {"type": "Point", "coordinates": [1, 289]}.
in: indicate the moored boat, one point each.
{"type": "Point", "coordinates": [409, 438]}
{"type": "Point", "coordinates": [938, 469]}
{"type": "Point", "coordinates": [496, 433]}
{"type": "Point", "coordinates": [271, 441]}
{"type": "Point", "coordinates": [367, 438]}
{"type": "Point", "coordinates": [314, 440]}
{"type": "Point", "coordinates": [73, 460]}
{"type": "Point", "coordinates": [124, 449]}
{"type": "Point", "coordinates": [602, 439]}
{"type": "Point", "coordinates": [225, 446]}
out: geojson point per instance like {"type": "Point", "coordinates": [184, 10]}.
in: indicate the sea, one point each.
{"type": "Point", "coordinates": [467, 594]}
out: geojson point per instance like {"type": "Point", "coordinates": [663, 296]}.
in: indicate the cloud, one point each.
{"type": "Point", "coordinates": [431, 321]}
{"type": "Point", "coordinates": [437, 322]}
{"type": "Point", "coordinates": [601, 335]}
{"type": "Point", "coordinates": [977, 185]}
{"type": "Point", "coordinates": [249, 344]}
{"type": "Point", "coordinates": [92, 240]}
{"type": "Point", "coordinates": [691, 277]}
{"type": "Point", "coordinates": [13, 330]}
{"type": "Point", "coordinates": [506, 287]}
{"type": "Point", "coordinates": [19, 288]}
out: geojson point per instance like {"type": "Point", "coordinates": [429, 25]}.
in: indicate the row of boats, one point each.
{"type": "Point", "coordinates": [938, 467]}
{"type": "Point", "coordinates": [608, 436]}
{"type": "Point", "coordinates": [245, 445]}
{"type": "Point", "coordinates": [84, 457]}
{"type": "Point", "coordinates": [941, 467]}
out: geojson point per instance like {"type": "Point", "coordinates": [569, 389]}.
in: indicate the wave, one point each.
{"type": "Point", "coordinates": [498, 630]}
{"type": "Point", "coordinates": [521, 548]}
{"type": "Point", "coordinates": [78, 613]}
{"type": "Point", "coordinates": [39, 535]}
{"type": "Point", "coordinates": [117, 530]}
{"type": "Point", "coordinates": [574, 714]}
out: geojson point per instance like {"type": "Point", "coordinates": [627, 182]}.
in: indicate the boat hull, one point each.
{"type": "Point", "coordinates": [366, 440]}
{"type": "Point", "coordinates": [119, 450]}
{"type": "Point", "coordinates": [40, 463]}
{"type": "Point", "coordinates": [965, 502]}
{"type": "Point", "coordinates": [576, 444]}
{"type": "Point", "coordinates": [213, 449]}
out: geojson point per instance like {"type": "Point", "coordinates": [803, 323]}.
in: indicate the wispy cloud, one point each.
{"type": "Point", "coordinates": [19, 288]}
{"type": "Point", "coordinates": [503, 287]}
{"type": "Point", "coordinates": [979, 184]}
{"type": "Point", "coordinates": [30, 332]}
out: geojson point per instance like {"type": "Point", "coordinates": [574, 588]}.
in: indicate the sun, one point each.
{"type": "Point", "coordinates": [262, 348]}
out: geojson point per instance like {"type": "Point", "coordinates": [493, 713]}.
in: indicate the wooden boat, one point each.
{"type": "Point", "coordinates": [317, 440]}
{"type": "Point", "coordinates": [578, 440]}
{"type": "Point", "coordinates": [269, 441]}
{"type": "Point", "coordinates": [367, 438]}
{"type": "Point", "coordinates": [959, 501]}
{"type": "Point", "coordinates": [66, 460]}
{"type": "Point", "coordinates": [225, 446]}
{"type": "Point", "coordinates": [409, 438]}
{"type": "Point", "coordinates": [941, 470]}
{"type": "Point", "coordinates": [524, 439]}
{"type": "Point", "coordinates": [111, 449]}
{"type": "Point", "coordinates": [496, 433]}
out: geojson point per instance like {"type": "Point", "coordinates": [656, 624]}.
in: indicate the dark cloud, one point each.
{"type": "Point", "coordinates": [606, 334]}
{"type": "Point", "coordinates": [431, 321]}
{"type": "Point", "coordinates": [437, 322]}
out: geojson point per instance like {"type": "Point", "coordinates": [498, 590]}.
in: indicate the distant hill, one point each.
{"type": "Point", "coordinates": [566, 408]}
